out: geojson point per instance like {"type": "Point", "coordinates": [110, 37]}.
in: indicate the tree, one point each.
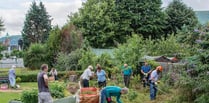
{"type": "Point", "coordinates": [96, 22]}
{"type": "Point", "coordinates": [35, 56]}
{"type": "Point", "coordinates": [105, 23]}
{"type": "Point", "coordinates": [53, 45]}
{"type": "Point", "coordinates": [1, 25]}
{"type": "Point", "coordinates": [71, 38]}
{"type": "Point", "coordinates": [130, 52]}
{"type": "Point", "coordinates": [146, 16]}
{"type": "Point", "coordinates": [36, 25]}
{"type": "Point", "coordinates": [178, 15]}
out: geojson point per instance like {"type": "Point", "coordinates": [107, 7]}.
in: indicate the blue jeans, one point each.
{"type": "Point", "coordinates": [103, 96]}
{"type": "Point", "coordinates": [153, 91]}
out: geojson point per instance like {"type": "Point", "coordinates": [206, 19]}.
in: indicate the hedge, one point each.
{"type": "Point", "coordinates": [32, 77]}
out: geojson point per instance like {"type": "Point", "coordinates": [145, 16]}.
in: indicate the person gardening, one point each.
{"type": "Point", "coordinates": [126, 72]}
{"type": "Point", "coordinates": [145, 70]}
{"type": "Point", "coordinates": [153, 82]}
{"type": "Point", "coordinates": [109, 91]}
{"type": "Point", "coordinates": [101, 76]}
{"type": "Point", "coordinates": [87, 74]}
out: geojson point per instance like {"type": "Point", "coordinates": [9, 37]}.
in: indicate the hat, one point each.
{"type": "Point", "coordinates": [160, 68]}
{"type": "Point", "coordinates": [13, 66]}
{"type": "Point", "coordinates": [90, 67]}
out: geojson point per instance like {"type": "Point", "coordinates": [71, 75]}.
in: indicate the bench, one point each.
{"type": "Point", "coordinates": [4, 79]}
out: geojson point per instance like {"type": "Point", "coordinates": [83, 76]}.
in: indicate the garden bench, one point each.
{"type": "Point", "coordinates": [4, 79]}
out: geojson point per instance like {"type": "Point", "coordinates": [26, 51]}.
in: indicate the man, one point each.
{"type": "Point", "coordinates": [126, 72]}
{"type": "Point", "coordinates": [153, 84]}
{"type": "Point", "coordinates": [109, 91]}
{"type": "Point", "coordinates": [87, 74]}
{"type": "Point", "coordinates": [145, 70]}
{"type": "Point", "coordinates": [12, 76]}
{"type": "Point", "coordinates": [44, 95]}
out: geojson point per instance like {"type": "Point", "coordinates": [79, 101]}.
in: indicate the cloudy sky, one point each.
{"type": "Point", "coordinates": [13, 11]}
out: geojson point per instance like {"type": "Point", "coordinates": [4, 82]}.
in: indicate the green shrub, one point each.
{"type": "Point", "coordinates": [68, 61]}
{"type": "Point", "coordinates": [29, 77]}
{"type": "Point", "coordinates": [87, 58]}
{"type": "Point", "coordinates": [35, 56]}
{"type": "Point", "coordinates": [57, 89]}
{"type": "Point", "coordinates": [18, 79]}
{"type": "Point", "coordinates": [153, 63]}
{"type": "Point", "coordinates": [30, 96]}
{"type": "Point", "coordinates": [130, 52]}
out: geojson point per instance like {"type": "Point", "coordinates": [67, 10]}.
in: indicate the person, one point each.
{"type": "Point", "coordinates": [101, 76]}
{"type": "Point", "coordinates": [53, 73]}
{"type": "Point", "coordinates": [12, 76]}
{"type": "Point", "coordinates": [145, 70]}
{"type": "Point", "coordinates": [153, 82]}
{"type": "Point", "coordinates": [126, 72]}
{"type": "Point", "coordinates": [44, 95]}
{"type": "Point", "coordinates": [109, 91]}
{"type": "Point", "coordinates": [87, 74]}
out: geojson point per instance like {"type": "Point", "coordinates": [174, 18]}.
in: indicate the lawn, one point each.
{"type": "Point", "coordinates": [7, 96]}
{"type": "Point", "coordinates": [12, 94]}
{"type": "Point", "coordinates": [142, 93]}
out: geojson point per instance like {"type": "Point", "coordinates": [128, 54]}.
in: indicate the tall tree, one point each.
{"type": "Point", "coordinates": [37, 25]}
{"type": "Point", "coordinates": [71, 38]}
{"type": "Point", "coordinates": [179, 14]}
{"type": "Point", "coordinates": [53, 45]}
{"type": "Point", "coordinates": [106, 23]}
{"type": "Point", "coordinates": [146, 16]}
{"type": "Point", "coordinates": [1, 25]}
{"type": "Point", "coordinates": [96, 21]}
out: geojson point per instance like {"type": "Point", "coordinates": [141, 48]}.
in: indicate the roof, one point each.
{"type": "Point", "coordinates": [202, 16]}
{"type": "Point", "coordinates": [161, 59]}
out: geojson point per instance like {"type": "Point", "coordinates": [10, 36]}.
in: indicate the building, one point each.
{"type": "Point", "coordinates": [11, 41]}
{"type": "Point", "coordinates": [202, 16]}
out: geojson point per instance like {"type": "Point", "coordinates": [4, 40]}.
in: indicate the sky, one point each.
{"type": "Point", "coordinates": [13, 11]}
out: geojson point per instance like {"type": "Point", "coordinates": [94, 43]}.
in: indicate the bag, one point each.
{"type": "Point", "coordinates": [89, 95]}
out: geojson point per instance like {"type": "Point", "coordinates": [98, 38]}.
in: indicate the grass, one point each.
{"type": "Point", "coordinates": [7, 96]}
{"type": "Point", "coordinates": [142, 94]}
{"type": "Point", "coordinates": [13, 94]}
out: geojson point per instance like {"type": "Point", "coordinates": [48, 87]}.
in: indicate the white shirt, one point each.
{"type": "Point", "coordinates": [154, 76]}
{"type": "Point", "coordinates": [86, 74]}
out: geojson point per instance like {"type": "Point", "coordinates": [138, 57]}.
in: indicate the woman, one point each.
{"type": "Point", "coordinates": [101, 76]}
{"type": "Point", "coordinates": [53, 72]}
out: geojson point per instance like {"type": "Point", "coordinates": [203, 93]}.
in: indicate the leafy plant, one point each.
{"type": "Point", "coordinates": [57, 89]}
{"type": "Point", "coordinates": [130, 52]}
{"type": "Point", "coordinates": [18, 79]}
{"type": "Point", "coordinates": [88, 58]}
{"type": "Point", "coordinates": [35, 56]}
{"type": "Point", "coordinates": [30, 96]}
